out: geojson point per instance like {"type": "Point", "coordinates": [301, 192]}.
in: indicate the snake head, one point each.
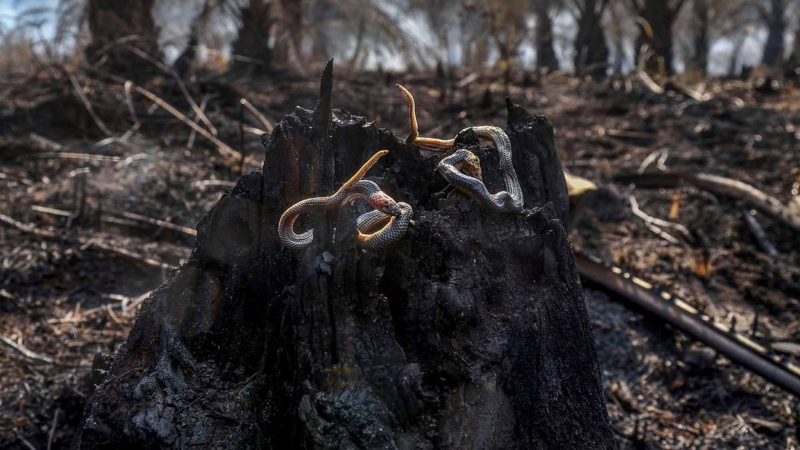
{"type": "Point", "coordinates": [384, 203]}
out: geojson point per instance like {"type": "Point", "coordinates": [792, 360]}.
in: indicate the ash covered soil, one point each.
{"type": "Point", "coordinates": [70, 286]}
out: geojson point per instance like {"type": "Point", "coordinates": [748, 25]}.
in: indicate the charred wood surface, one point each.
{"type": "Point", "coordinates": [470, 333]}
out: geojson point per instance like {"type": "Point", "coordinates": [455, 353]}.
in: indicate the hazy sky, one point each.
{"type": "Point", "coordinates": [10, 11]}
{"type": "Point", "coordinates": [14, 12]}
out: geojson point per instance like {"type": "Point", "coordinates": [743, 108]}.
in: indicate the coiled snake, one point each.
{"type": "Point", "coordinates": [392, 228]}
{"type": "Point", "coordinates": [393, 216]}
{"type": "Point", "coordinates": [452, 166]}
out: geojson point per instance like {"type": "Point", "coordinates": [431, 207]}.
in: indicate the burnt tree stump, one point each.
{"type": "Point", "coordinates": [469, 333]}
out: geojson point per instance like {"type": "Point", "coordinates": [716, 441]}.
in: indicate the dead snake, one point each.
{"type": "Point", "coordinates": [450, 167]}
{"type": "Point", "coordinates": [394, 216]}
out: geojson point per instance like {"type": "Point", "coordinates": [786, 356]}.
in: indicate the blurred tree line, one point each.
{"type": "Point", "coordinates": [603, 37]}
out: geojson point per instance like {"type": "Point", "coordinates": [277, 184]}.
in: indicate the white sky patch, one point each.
{"type": "Point", "coordinates": [38, 18]}
{"type": "Point", "coordinates": [30, 14]}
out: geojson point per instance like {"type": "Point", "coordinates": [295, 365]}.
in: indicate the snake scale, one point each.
{"type": "Point", "coordinates": [394, 217]}
{"type": "Point", "coordinates": [452, 166]}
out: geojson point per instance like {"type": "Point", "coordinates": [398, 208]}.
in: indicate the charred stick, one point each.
{"type": "Point", "coordinates": [759, 234]}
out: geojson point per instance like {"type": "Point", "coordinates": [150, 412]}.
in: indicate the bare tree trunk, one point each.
{"type": "Point", "coordinates": [701, 39]}
{"type": "Point", "coordinates": [116, 24]}
{"type": "Point", "coordinates": [656, 13]}
{"type": "Point", "coordinates": [289, 34]}
{"type": "Point", "coordinates": [793, 64]}
{"type": "Point", "coordinates": [591, 49]}
{"type": "Point", "coordinates": [775, 20]}
{"type": "Point", "coordinates": [470, 333]}
{"type": "Point", "coordinates": [617, 35]}
{"type": "Point", "coordinates": [659, 17]}
{"type": "Point", "coordinates": [737, 50]}
{"type": "Point", "coordinates": [251, 48]}
{"type": "Point", "coordinates": [355, 57]}
{"type": "Point", "coordinates": [546, 59]}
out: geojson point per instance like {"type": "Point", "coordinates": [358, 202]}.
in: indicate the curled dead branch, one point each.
{"type": "Point", "coordinates": [726, 187]}
{"type": "Point", "coordinates": [655, 224]}
{"type": "Point", "coordinates": [257, 114]}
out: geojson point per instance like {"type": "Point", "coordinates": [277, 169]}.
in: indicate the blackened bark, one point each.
{"type": "Point", "coordinates": [538, 166]}
{"type": "Point", "coordinates": [117, 25]}
{"type": "Point", "coordinates": [546, 59]}
{"type": "Point", "coordinates": [659, 17]}
{"type": "Point", "coordinates": [702, 22]}
{"type": "Point", "coordinates": [775, 19]}
{"type": "Point", "coordinates": [288, 35]}
{"type": "Point", "coordinates": [469, 333]}
{"type": "Point", "coordinates": [251, 49]}
{"type": "Point", "coordinates": [591, 49]}
{"type": "Point", "coordinates": [793, 63]}
{"type": "Point", "coordinates": [656, 13]}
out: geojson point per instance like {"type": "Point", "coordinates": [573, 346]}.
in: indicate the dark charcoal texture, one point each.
{"type": "Point", "coordinates": [470, 333]}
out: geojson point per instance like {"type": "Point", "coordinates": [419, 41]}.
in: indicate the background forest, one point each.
{"type": "Point", "coordinates": [597, 37]}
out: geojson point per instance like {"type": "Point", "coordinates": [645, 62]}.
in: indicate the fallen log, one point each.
{"type": "Point", "coordinates": [678, 313]}
{"type": "Point", "coordinates": [471, 332]}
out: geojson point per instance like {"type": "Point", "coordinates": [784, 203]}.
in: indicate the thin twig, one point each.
{"type": "Point", "coordinates": [198, 111]}
{"type": "Point", "coordinates": [52, 432]}
{"type": "Point", "coordinates": [139, 300]}
{"type": "Point", "coordinates": [156, 222]}
{"type": "Point", "coordinates": [28, 353]}
{"type": "Point", "coordinates": [24, 441]}
{"type": "Point", "coordinates": [27, 228]}
{"type": "Point", "coordinates": [129, 100]}
{"type": "Point", "coordinates": [653, 223]}
{"type": "Point", "coordinates": [132, 110]}
{"type": "Point", "coordinates": [658, 222]}
{"type": "Point", "coordinates": [263, 120]}
{"type": "Point", "coordinates": [193, 133]}
{"type": "Point", "coordinates": [223, 148]}
{"type": "Point", "coordinates": [51, 211]}
{"type": "Point", "coordinates": [133, 217]}
{"type": "Point", "coordinates": [128, 254]}
{"type": "Point", "coordinates": [202, 184]}
{"type": "Point", "coordinates": [467, 80]}
{"type": "Point", "coordinates": [662, 234]}
{"type": "Point", "coordinates": [658, 156]}
{"type": "Point", "coordinates": [181, 85]}
{"type": "Point", "coordinates": [629, 134]}
{"type": "Point", "coordinates": [45, 143]}
{"type": "Point", "coordinates": [77, 156]}
{"type": "Point", "coordinates": [253, 130]}
{"type": "Point", "coordinates": [759, 234]}
{"type": "Point", "coordinates": [88, 105]}
{"type": "Point", "coordinates": [85, 243]}
{"type": "Point", "coordinates": [649, 83]}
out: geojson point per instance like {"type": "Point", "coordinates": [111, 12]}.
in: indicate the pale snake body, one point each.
{"type": "Point", "coordinates": [398, 214]}
{"type": "Point", "coordinates": [509, 200]}
{"type": "Point", "coordinates": [451, 166]}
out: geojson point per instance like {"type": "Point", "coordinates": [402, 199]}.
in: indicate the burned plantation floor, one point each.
{"type": "Point", "coordinates": [68, 296]}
